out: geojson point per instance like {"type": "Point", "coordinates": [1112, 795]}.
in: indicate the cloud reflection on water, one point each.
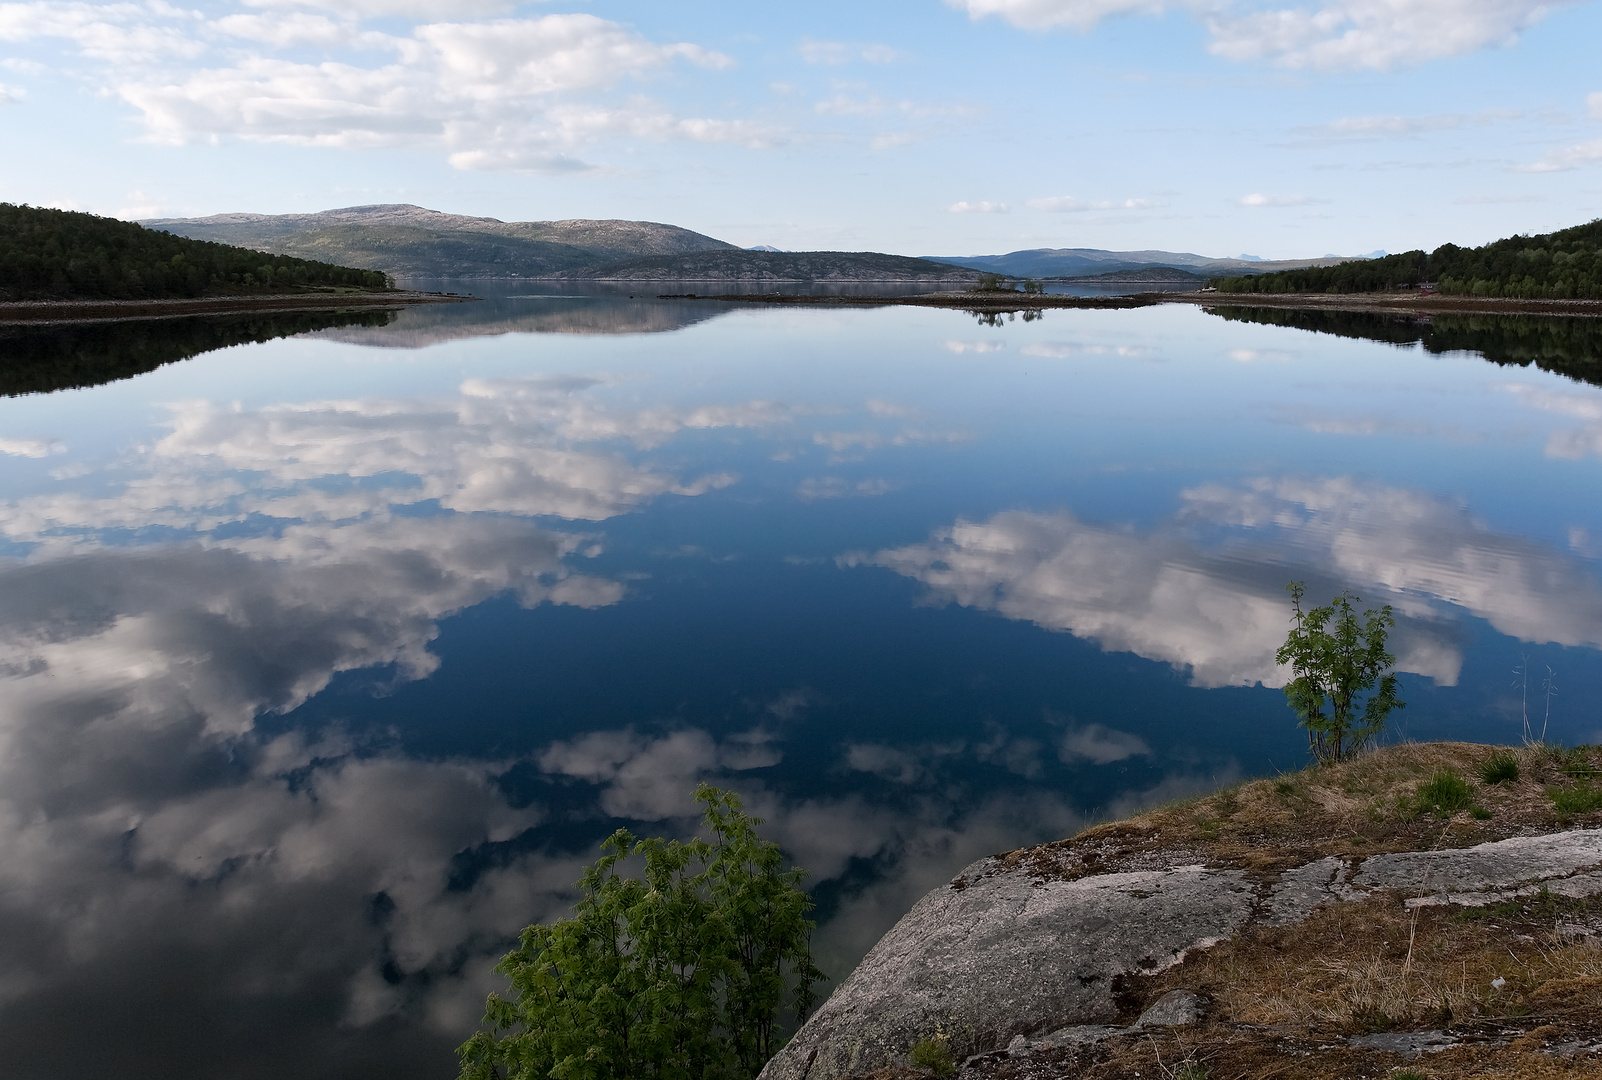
{"type": "Point", "coordinates": [1216, 607]}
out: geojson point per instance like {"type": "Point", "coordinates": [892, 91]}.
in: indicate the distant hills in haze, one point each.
{"type": "Point", "coordinates": [1088, 262]}
{"type": "Point", "coordinates": [411, 241]}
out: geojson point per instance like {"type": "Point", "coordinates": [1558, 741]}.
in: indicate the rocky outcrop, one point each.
{"type": "Point", "coordinates": [1008, 956]}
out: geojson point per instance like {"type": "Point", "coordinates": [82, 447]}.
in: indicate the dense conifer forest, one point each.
{"type": "Point", "coordinates": [1563, 265]}
{"type": "Point", "coordinates": [63, 255]}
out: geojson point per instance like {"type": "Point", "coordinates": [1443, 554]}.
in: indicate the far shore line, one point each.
{"type": "Point", "coordinates": [1407, 303]}
{"type": "Point", "coordinates": [37, 312]}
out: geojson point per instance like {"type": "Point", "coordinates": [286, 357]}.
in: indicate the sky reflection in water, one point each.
{"type": "Point", "coordinates": [327, 662]}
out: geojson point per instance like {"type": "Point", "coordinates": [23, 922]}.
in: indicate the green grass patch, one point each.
{"type": "Point", "coordinates": [1501, 767]}
{"type": "Point", "coordinates": [1444, 793]}
{"type": "Point", "coordinates": [1573, 799]}
{"type": "Point", "coordinates": [933, 1055]}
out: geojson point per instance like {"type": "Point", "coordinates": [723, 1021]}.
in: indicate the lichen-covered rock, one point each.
{"type": "Point", "coordinates": [1001, 953]}
{"type": "Point", "coordinates": [1007, 957]}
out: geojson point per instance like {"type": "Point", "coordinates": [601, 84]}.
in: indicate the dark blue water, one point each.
{"type": "Point", "coordinates": [326, 662]}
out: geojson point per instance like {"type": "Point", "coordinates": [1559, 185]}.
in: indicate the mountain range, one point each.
{"type": "Point", "coordinates": [1086, 262]}
{"type": "Point", "coordinates": [411, 241]}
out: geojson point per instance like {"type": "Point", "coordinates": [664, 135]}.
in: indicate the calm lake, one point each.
{"type": "Point", "coordinates": [327, 660]}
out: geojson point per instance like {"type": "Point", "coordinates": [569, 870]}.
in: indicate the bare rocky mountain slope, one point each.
{"type": "Point", "coordinates": [1440, 902]}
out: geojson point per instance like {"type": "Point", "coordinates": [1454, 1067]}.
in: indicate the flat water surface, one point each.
{"type": "Point", "coordinates": [326, 661]}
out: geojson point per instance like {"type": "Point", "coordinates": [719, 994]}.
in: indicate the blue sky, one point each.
{"type": "Point", "coordinates": [914, 126]}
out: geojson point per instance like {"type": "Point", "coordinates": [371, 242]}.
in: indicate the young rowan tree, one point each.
{"type": "Point", "coordinates": [1335, 658]}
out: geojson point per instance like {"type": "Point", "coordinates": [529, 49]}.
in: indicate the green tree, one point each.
{"type": "Point", "coordinates": [679, 975]}
{"type": "Point", "coordinates": [1336, 658]}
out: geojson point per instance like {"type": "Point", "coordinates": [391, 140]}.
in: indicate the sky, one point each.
{"type": "Point", "coordinates": [920, 127]}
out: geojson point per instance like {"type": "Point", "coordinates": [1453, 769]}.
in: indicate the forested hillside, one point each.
{"type": "Point", "coordinates": [1564, 265]}
{"type": "Point", "coordinates": [62, 255]}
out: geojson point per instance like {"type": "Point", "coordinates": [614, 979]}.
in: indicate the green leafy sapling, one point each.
{"type": "Point", "coordinates": [681, 974]}
{"type": "Point", "coordinates": [1335, 658]}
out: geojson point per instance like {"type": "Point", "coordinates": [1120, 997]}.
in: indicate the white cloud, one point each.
{"type": "Point", "coordinates": [1586, 405]}
{"type": "Point", "coordinates": [1062, 350]}
{"type": "Point", "coordinates": [1260, 200]}
{"type": "Point", "coordinates": [1373, 34]}
{"type": "Point", "coordinates": [1340, 35]}
{"type": "Point", "coordinates": [835, 487]}
{"type": "Point", "coordinates": [1569, 157]}
{"type": "Point", "coordinates": [1049, 14]}
{"type": "Point", "coordinates": [32, 448]}
{"type": "Point", "coordinates": [11, 95]}
{"type": "Point", "coordinates": [1394, 126]}
{"type": "Point", "coordinates": [1100, 745]}
{"type": "Point", "coordinates": [1593, 104]}
{"type": "Point", "coordinates": [966, 207]}
{"type": "Point", "coordinates": [120, 33]}
{"type": "Point", "coordinates": [960, 347]}
{"type": "Point", "coordinates": [500, 94]}
{"type": "Point", "coordinates": [1067, 204]}
{"type": "Point", "coordinates": [838, 53]}
{"type": "Point", "coordinates": [1164, 596]}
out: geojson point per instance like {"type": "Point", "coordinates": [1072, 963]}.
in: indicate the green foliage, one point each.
{"type": "Point", "coordinates": [934, 1055]}
{"type": "Point", "coordinates": [1190, 1070]}
{"type": "Point", "coordinates": [1501, 767]}
{"type": "Point", "coordinates": [992, 283]}
{"type": "Point", "coordinates": [1571, 799]}
{"type": "Point", "coordinates": [1335, 658]}
{"type": "Point", "coordinates": [1479, 813]}
{"type": "Point", "coordinates": [1033, 287]}
{"type": "Point", "coordinates": [62, 255]}
{"type": "Point", "coordinates": [680, 975]}
{"type": "Point", "coordinates": [1444, 793]}
{"type": "Point", "coordinates": [1561, 265]}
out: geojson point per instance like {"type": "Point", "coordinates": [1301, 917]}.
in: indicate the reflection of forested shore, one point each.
{"type": "Point", "coordinates": [1566, 346]}
{"type": "Point", "coordinates": [39, 359]}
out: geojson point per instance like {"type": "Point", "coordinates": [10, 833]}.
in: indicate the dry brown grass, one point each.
{"type": "Point", "coordinates": [1364, 806]}
{"type": "Point", "coordinates": [1375, 966]}
{"type": "Point", "coordinates": [1285, 1000]}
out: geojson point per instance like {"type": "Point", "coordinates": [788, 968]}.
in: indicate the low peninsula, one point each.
{"type": "Point", "coordinates": [1428, 906]}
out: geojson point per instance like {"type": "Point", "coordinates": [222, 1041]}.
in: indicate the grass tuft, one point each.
{"type": "Point", "coordinates": [1501, 767]}
{"type": "Point", "coordinates": [1571, 799]}
{"type": "Point", "coordinates": [1444, 793]}
{"type": "Point", "coordinates": [933, 1055]}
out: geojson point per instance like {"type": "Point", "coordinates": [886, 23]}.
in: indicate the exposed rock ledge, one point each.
{"type": "Point", "coordinates": [1038, 951]}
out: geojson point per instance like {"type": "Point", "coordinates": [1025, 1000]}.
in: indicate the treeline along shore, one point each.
{"type": "Point", "coordinates": [1562, 265]}
{"type": "Point", "coordinates": [59, 266]}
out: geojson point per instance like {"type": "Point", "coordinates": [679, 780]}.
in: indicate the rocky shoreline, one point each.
{"type": "Point", "coordinates": [1317, 926]}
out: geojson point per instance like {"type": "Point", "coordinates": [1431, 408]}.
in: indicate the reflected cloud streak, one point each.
{"type": "Point", "coordinates": [1215, 607]}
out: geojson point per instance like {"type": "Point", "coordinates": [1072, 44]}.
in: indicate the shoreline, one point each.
{"type": "Point", "coordinates": [1397, 303]}
{"type": "Point", "coordinates": [997, 302]}
{"type": "Point", "coordinates": [1412, 303]}
{"type": "Point", "coordinates": [46, 312]}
